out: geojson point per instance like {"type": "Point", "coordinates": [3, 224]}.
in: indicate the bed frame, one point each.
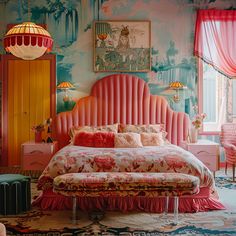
{"type": "Point", "coordinates": [126, 99]}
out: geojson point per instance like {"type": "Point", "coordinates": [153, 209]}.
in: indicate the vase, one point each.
{"type": "Point", "coordinates": [38, 136]}
{"type": "Point", "coordinates": [193, 135]}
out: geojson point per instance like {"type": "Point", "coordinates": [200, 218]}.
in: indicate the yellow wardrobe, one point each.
{"type": "Point", "coordinates": [28, 98]}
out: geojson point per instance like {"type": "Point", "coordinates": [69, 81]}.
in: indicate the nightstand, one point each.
{"type": "Point", "coordinates": [206, 151]}
{"type": "Point", "coordinates": [35, 156]}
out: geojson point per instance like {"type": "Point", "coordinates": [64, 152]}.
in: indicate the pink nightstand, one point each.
{"type": "Point", "coordinates": [35, 156]}
{"type": "Point", "coordinates": [206, 151]}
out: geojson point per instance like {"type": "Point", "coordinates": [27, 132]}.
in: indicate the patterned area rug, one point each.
{"type": "Point", "coordinates": [134, 224]}
{"type": "Point", "coordinates": [55, 223]}
{"type": "Point", "coordinates": [225, 182]}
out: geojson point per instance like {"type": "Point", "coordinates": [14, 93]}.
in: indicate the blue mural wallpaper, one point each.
{"type": "Point", "coordinates": [70, 24]}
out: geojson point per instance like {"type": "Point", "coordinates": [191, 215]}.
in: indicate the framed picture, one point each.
{"type": "Point", "coordinates": [122, 46]}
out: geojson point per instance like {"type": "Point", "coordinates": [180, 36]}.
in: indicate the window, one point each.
{"type": "Point", "coordinates": [215, 38]}
{"type": "Point", "coordinates": [218, 98]}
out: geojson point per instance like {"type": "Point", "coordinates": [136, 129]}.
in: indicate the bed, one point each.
{"type": "Point", "coordinates": [125, 99]}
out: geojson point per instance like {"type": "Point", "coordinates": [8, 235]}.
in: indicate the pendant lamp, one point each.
{"type": "Point", "coordinates": [28, 41]}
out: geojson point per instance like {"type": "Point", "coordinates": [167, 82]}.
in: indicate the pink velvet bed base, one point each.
{"type": "Point", "coordinates": [203, 201]}
{"type": "Point", "coordinates": [126, 99]}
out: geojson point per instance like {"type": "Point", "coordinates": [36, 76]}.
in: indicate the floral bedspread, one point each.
{"type": "Point", "coordinates": [167, 158]}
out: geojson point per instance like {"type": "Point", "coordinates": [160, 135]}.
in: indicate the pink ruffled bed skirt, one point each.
{"type": "Point", "coordinates": [49, 200]}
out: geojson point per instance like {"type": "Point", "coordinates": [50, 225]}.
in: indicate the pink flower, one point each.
{"type": "Point", "coordinates": [198, 120]}
{"type": "Point", "coordinates": [71, 160]}
{"type": "Point", "coordinates": [38, 128]}
{"type": "Point", "coordinates": [104, 162]}
{"type": "Point", "coordinates": [198, 117]}
{"type": "Point", "coordinates": [174, 162]}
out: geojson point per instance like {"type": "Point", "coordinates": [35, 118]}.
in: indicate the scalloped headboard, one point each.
{"type": "Point", "coordinates": [122, 98]}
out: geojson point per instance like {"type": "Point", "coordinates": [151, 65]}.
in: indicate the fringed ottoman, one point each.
{"type": "Point", "coordinates": [126, 184]}
{"type": "Point", "coordinates": [15, 194]}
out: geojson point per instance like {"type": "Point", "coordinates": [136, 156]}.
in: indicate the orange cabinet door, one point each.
{"type": "Point", "coordinates": [27, 103]}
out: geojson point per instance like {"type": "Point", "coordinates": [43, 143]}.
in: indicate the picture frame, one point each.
{"type": "Point", "coordinates": [122, 46]}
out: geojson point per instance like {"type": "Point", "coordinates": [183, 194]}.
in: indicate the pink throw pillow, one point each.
{"type": "Point", "coordinates": [152, 139]}
{"type": "Point", "coordinates": [102, 139]}
{"type": "Point", "coordinates": [85, 139]}
{"type": "Point", "coordinates": [127, 140]}
{"type": "Point", "coordinates": [91, 139]}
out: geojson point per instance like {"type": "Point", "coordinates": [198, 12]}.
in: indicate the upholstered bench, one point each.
{"type": "Point", "coordinates": [15, 194]}
{"type": "Point", "coordinates": [126, 184]}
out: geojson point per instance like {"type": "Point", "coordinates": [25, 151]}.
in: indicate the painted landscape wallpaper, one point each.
{"type": "Point", "coordinates": [70, 23]}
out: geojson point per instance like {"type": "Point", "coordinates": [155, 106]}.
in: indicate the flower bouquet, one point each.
{"type": "Point", "coordinates": [198, 120]}
{"type": "Point", "coordinates": [38, 129]}
{"type": "Point", "coordinates": [197, 123]}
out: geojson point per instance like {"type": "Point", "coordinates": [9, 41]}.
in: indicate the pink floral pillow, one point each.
{"type": "Point", "coordinates": [152, 139]}
{"type": "Point", "coordinates": [141, 128]}
{"type": "Point", "coordinates": [127, 140]}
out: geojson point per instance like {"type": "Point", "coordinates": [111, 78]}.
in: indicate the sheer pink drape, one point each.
{"type": "Point", "coordinates": [215, 39]}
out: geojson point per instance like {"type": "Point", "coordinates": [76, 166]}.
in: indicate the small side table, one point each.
{"type": "Point", "coordinates": [36, 156]}
{"type": "Point", "coordinates": [206, 151]}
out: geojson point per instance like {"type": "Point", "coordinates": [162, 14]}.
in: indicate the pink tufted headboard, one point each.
{"type": "Point", "coordinates": [126, 99]}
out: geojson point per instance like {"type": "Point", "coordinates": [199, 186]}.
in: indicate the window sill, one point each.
{"type": "Point", "coordinates": [209, 133]}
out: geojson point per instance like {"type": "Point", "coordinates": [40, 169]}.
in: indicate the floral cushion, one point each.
{"type": "Point", "coordinates": [124, 183]}
{"type": "Point", "coordinates": [103, 128]}
{"type": "Point", "coordinates": [141, 128]}
{"type": "Point", "coordinates": [152, 139]}
{"type": "Point", "coordinates": [127, 140]}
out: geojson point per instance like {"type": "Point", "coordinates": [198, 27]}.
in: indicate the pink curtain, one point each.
{"type": "Point", "coordinates": [215, 39]}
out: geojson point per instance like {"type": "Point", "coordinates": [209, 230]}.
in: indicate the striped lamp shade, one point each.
{"type": "Point", "coordinates": [65, 85]}
{"type": "Point", "coordinates": [28, 41]}
{"type": "Point", "coordinates": [177, 85]}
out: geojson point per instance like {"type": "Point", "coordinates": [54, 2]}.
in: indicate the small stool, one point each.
{"type": "Point", "coordinates": [15, 194]}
